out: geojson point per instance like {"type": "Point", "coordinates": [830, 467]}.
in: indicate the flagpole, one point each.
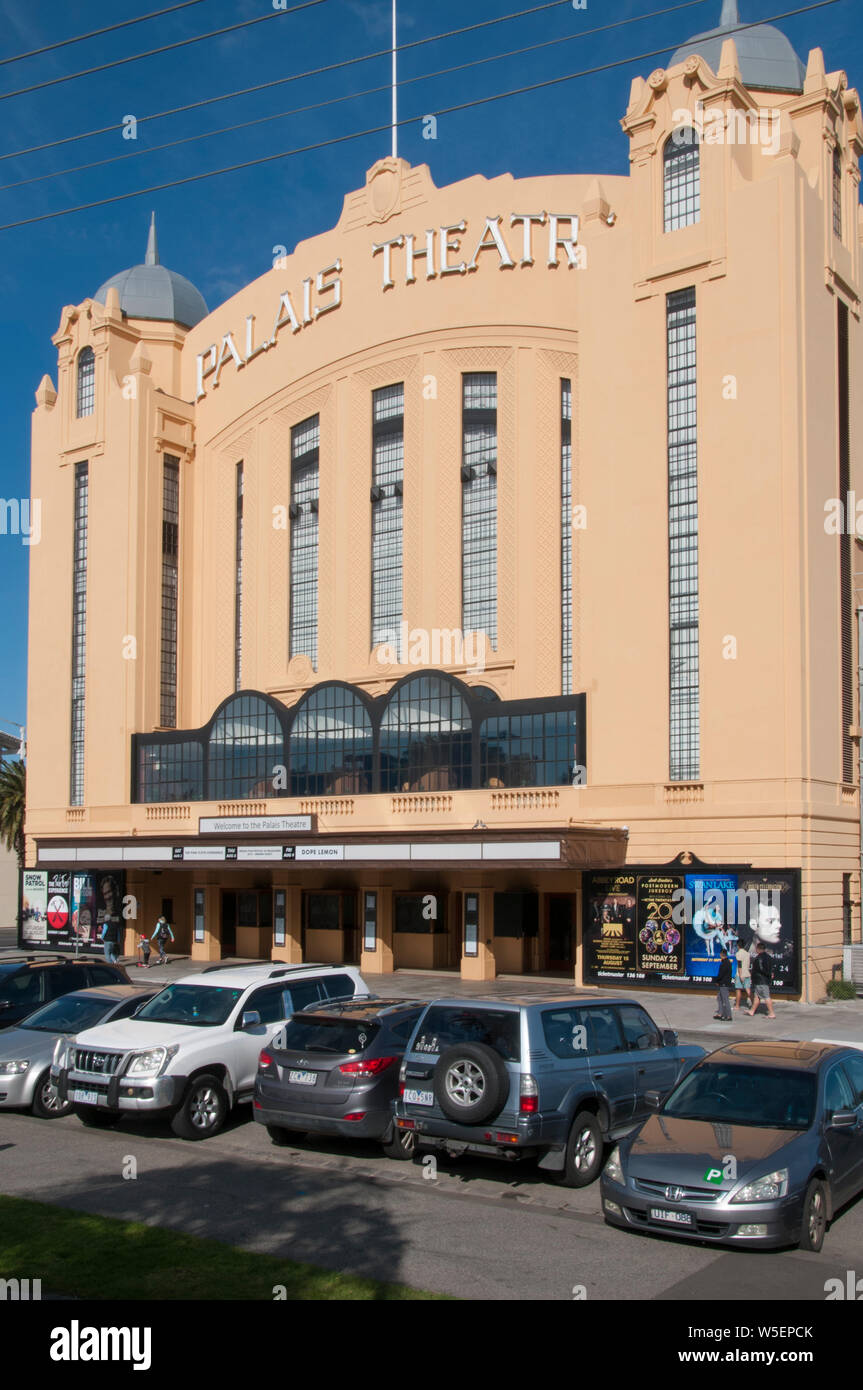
{"type": "Point", "coordinates": [395, 89]}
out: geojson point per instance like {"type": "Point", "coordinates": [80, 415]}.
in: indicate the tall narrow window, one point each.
{"type": "Point", "coordinates": [305, 448]}
{"type": "Point", "coordinates": [684, 739]}
{"type": "Point", "coordinates": [566, 537]}
{"type": "Point", "coordinates": [79, 635]}
{"type": "Point", "coordinates": [388, 438]}
{"type": "Point", "coordinates": [86, 385]}
{"type": "Point", "coordinates": [238, 584]}
{"type": "Point", "coordinates": [170, 561]}
{"type": "Point", "coordinates": [681, 179]}
{"type": "Point", "coordinates": [837, 192]}
{"type": "Point", "coordinates": [479, 504]}
{"type": "Point", "coordinates": [845, 598]}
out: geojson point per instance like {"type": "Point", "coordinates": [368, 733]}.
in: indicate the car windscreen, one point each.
{"type": "Point", "coordinates": [444, 1026]}
{"type": "Point", "coordinates": [69, 1014]}
{"type": "Point", "coordinates": [766, 1097]}
{"type": "Point", "coordinates": [197, 1006]}
{"type": "Point", "coordinates": [337, 1035]}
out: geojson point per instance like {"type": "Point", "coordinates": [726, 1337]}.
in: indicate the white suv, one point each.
{"type": "Point", "coordinates": [191, 1052]}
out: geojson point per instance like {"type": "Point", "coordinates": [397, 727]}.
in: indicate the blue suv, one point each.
{"type": "Point", "coordinates": [546, 1077]}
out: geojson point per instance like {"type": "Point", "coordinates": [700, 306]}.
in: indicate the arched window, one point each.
{"type": "Point", "coordinates": [681, 179]}
{"type": "Point", "coordinates": [86, 396]}
{"type": "Point", "coordinates": [425, 742]}
{"type": "Point", "coordinates": [246, 745]}
{"type": "Point", "coordinates": [331, 744]}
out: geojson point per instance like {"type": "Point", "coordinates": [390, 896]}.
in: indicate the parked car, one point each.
{"type": "Point", "coordinates": [548, 1077]}
{"type": "Point", "coordinates": [28, 981]}
{"type": "Point", "coordinates": [191, 1053]}
{"type": "Point", "coordinates": [759, 1145]}
{"type": "Point", "coordinates": [26, 1050]}
{"type": "Point", "coordinates": [333, 1069]}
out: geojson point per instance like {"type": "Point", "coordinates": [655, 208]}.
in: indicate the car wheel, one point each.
{"type": "Point", "coordinates": [585, 1152]}
{"type": "Point", "coordinates": [46, 1102]}
{"type": "Point", "coordinates": [401, 1143]}
{"type": "Point", "coordinates": [284, 1138]}
{"type": "Point", "coordinates": [813, 1226]}
{"type": "Point", "coordinates": [470, 1083]}
{"type": "Point", "coordinates": [96, 1119]}
{"type": "Point", "coordinates": [203, 1111]}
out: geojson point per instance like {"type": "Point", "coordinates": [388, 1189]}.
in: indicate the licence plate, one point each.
{"type": "Point", "coordinates": [675, 1218]}
{"type": "Point", "coordinates": [85, 1097]}
{"type": "Point", "coordinates": [303, 1078]}
{"type": "Point", "coordinates": [419, 1097]}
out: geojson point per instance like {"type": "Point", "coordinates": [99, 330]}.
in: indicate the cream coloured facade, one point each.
{"type": "Point", "coordinates": [704, 308]}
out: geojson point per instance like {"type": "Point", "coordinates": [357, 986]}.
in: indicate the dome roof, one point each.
{"type": "Point", "coordinates": [767, 60]}
{"type": "Point", "coordinates": [151, 291]}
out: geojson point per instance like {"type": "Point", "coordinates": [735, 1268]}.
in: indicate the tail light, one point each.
{"type": "Point", "coordinates": [528, 1099]}
{"type": "Point", "coordinates": [401, 1090]}
{"type": "Point", "coordinates": [265, 1061]}
{"type": "Point", "coordinates": [373, 1066]}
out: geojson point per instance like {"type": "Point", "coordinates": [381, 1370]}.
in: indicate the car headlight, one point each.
{"type": "Point", "coordinates": [614, 1168]}
{"type": "Point", "coordinates": [764, 1189]}
{"type": "Point", "coordinates": [13, 1068]}
{"type": "Point", "coordinates": [151, 1063]}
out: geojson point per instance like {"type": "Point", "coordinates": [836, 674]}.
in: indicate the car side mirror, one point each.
{"type": "Point", "coordinates": [669, 1037]}
{"type": "Point", "coordinates": [652, 1099]}
{"type": "Point", "coordinates": [843, 1119]}
{"type": "Point", "coordinates": [250, 1019]}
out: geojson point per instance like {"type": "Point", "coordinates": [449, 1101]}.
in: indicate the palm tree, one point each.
{"type": "Point", "coordinates": [13, 783]}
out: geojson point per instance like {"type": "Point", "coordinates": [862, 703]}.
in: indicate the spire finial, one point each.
{"type": "Point", "coordinates": [152, 256]}
{"type": "Point", "coordinates": [729, 14]}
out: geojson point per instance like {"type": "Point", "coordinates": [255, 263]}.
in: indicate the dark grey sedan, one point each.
{"type": "Point", "coordinates": [333, 1069]}
{"type": "Point", "coordinates": [760, 1145]}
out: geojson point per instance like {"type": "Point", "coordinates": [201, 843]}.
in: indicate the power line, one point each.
{"type": "Point", "coordinates": [96, 33]}
{"type": "Point", "coordinates": [166, 48]}
{"type": "Point", "coordinates": [333, 67]}
{"type": "Point", "coordinates": [376, 130]}
{"type": "Point", "coordinates": [335, 101]}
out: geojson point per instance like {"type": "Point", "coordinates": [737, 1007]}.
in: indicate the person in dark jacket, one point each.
{"type": "Point", "coordinates": [723, 987]}
{"type": "Point", "coordinates": [762, 974]}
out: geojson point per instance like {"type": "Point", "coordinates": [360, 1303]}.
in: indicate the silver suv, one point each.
{"type": "Point", "coordinates": [191, 1052]}
{"type": "Point", "coordinates": [545, 1077]}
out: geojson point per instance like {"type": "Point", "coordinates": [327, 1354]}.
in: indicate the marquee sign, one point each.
{"type": "Point", "coordinates": [512, 242]}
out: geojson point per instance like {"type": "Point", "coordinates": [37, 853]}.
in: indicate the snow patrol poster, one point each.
{"type": "Point", "coordinates": [34, 905]}
{"type": "Point", "coordinates": [610, 941]}
{"type": "Point", "coordinates": [646, 926]}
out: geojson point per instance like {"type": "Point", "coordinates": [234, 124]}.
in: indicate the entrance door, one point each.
{"type": "Point", "coordinates": [559, 908]}
{"type": "Point", "coordinates": [330, 927]}
{"type": "Point", "coordinates": [229, 924]}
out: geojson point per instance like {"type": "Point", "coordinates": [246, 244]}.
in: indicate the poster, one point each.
{"type": "Point", "coordinates": [666, 925]}
{"type": "Point", "coordinates": [660, 941]}
{"type": "Point", "coordinates": [68, 913]}
{"type": "Point", "coordinates": [611, 940]}
{"type": "Point", "coordinates": [711, 923]}
{"type": "Point", "coordinates": [34, 903]}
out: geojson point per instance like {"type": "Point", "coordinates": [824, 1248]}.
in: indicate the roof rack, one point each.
{"type": "Point", "coordinates": [282, 968]}
{"type": "Point", "coordinates": [42, 955]}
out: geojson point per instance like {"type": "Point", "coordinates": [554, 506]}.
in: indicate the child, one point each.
{"type": "Point", "coordinates": [144, 951]}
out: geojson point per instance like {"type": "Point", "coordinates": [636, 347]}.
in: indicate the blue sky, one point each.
{"type": "Point", "coordinates": [220, 232]}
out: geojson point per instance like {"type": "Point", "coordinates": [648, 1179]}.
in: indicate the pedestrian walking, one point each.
{"type": "Point", "coordinates": [110, 935]}
{"type": "Point", "coordinates": [144, 951]}
{"type": "Point", "coordinates": [162, 935]}
{"type": "Point", "coordinates": [744, 972]}
{"type": "Point", "coordinates": [762, 974]}
{"type": "Point", "coordinates": [723, 988]}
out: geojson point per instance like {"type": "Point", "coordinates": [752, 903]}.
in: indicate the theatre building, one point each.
{"type": "Point", "coordinates": [475, 582]}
